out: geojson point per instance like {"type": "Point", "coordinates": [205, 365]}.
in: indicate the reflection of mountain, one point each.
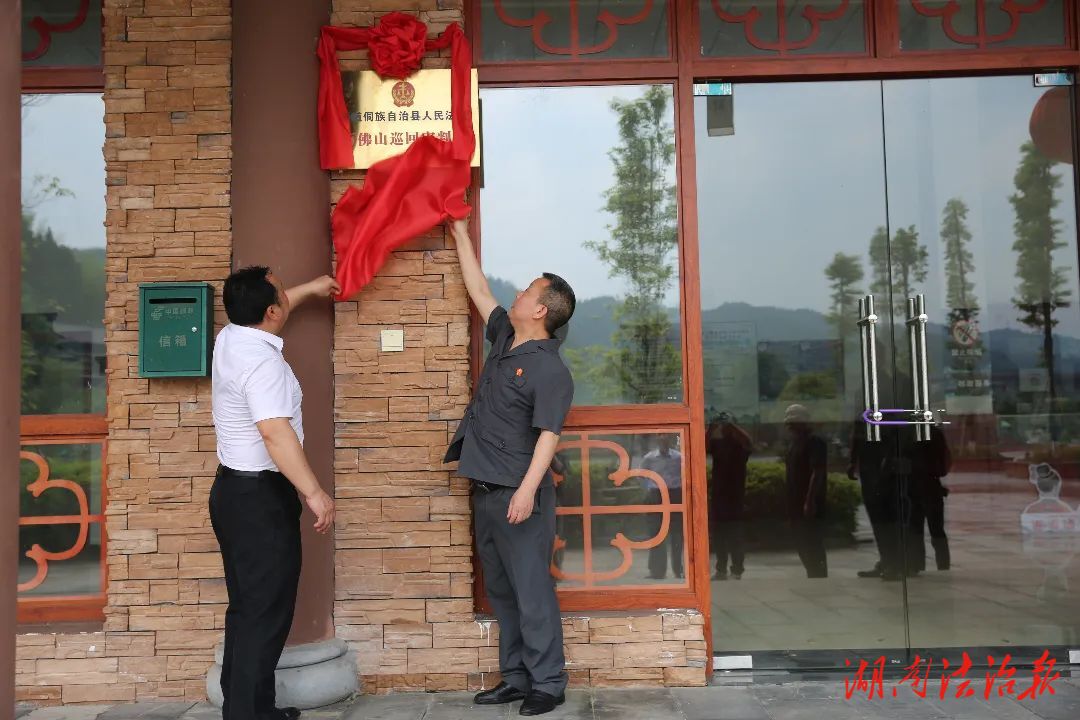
{"type": "Point", "coordinates": [1010, 349]}
{"type": "Point", "coordinates": [1000, 315]}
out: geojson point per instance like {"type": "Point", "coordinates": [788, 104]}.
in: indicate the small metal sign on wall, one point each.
{"type": "Point", "coordinates": [387, 116]}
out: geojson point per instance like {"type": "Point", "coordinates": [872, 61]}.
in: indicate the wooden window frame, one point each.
{"type": "Point", "coordinates": [882, 61]}
{"type": "Point", "coordinates": [68, 429]}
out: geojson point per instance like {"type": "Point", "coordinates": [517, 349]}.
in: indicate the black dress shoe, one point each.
{"type": "Point", "coordinates": [499, 695]}
{"type": "Point", "coordinates": [876, 572]}
{"type": "Point", "coordinates": [285, 713]}
{"type": "Point", "coordinates": [538, 703]}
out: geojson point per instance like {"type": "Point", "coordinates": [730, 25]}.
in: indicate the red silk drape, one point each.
{"type": "Point", "coordinates": [403, 196]}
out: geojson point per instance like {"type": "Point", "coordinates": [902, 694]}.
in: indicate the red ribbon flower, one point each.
{"type": "Point", "coordinates": [396, 46]}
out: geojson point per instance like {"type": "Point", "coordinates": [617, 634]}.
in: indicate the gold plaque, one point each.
{"type": "Point", "coordinates": [387, 116]}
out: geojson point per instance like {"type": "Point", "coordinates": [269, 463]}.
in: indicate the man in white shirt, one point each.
{"type": "Point", "coordinates": [254, 506]}
{"type": "Point", "coordinates": [666, 462]}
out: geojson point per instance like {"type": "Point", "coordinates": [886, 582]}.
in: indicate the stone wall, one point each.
{"type": "Point", "coordinates": [167, 152]}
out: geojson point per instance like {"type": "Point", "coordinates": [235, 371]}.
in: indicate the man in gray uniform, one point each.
{"type": "Point", "coordinates": [505, 444]}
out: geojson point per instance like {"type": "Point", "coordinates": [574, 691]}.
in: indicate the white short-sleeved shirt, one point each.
{"type": "Point", "coordinates": [669, 467]}
{"type": "Point", "coordinates": [251, 382]}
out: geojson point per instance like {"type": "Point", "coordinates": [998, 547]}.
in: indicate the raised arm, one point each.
{"type": "Point", "coordinates": [475, 282]}
{"type": "Point", "coordinates": [322, 287]}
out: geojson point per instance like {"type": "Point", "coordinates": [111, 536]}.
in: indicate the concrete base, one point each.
{"type": "Point", "coordinates": [307, 676]}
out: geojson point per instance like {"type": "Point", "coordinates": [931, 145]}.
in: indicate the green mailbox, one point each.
{"type": "Point", "coordinates": [176, 327]}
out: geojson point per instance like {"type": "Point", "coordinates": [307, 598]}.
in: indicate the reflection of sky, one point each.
{"type": "Point", "coordinates": [62, 137]}
{"type": "Point", "coordinates": [545, 172]}
{"type": "Point", "coordinates": [804, 177]}
{"type": "Point", "coordinates": [807, 174]}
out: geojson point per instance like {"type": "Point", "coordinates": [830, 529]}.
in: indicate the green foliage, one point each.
{"type": "Point", "coordinates": [879, 262]}
{"type": "Point", "coordinates": [1043, 288]}
{"type": "Point", "coordinates": [65, 285]}
{"type": "Point", "coordinates": [80, 464]}
{"type": "Point", "coordinates": [959, 262]}
{"type": "Point", "coordinates": [910, 263]}
{"type": "Point", "coordinates": [642, 362]}
{"type": "Point", "coordinates": [765, 509]}
{"type": "Point", "coordinates": [810, 386]}
{"type": "Point", "coordinates": [764, 513]}
{"type": "Point", "coordinates": [843, 274]}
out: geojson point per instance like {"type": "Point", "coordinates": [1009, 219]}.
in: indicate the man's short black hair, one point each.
{"type": "Point", "coordinates": [558, 298]}
{"type": "Point", "coordinates": [248, 294]}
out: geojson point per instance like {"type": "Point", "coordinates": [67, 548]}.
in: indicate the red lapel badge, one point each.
{"type": "Point", "coordinates": [519, 372]}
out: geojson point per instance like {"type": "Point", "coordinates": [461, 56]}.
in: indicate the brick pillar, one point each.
{"type": "Point", "coordinates": [10, 140]}
{"type": "Point", "coordinates": [280, 218]}
{"type": "Point", "coordinates": [404, 551]}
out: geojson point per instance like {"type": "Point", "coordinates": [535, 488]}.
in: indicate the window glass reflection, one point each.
{"type": "Point", "coordinates": [63, 254]}
{"type": "Point", "coordinates": [581, 182]}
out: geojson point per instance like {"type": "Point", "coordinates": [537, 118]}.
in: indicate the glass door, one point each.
{"type": "Point", "coordinates": [792, 214]}
{"type": "Point", "coordinates": [949, 204]}
{"type": "Point", "coordinates": [982, 222]}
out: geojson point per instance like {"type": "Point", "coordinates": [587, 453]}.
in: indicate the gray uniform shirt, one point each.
{"type": "Point", "coordinates": [521, 392]}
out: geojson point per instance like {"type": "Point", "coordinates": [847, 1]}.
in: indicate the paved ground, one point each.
{"type": "Point", "coordinates": [777, 698]}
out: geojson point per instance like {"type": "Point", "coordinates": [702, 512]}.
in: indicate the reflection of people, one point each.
{"type": "Point", "coordinates": [931, 462]}
{"type": "Point", "coordinates": [666, 462]}
{"type": "Point", "coordinates": [505, 444]}
{"type": "Point", "coordinates": [867, 461]}
{"type": "Point", "coordinates": [254, 508]}
{"type": "Point", "coordinates": [730, 447]}
{"type": "Point", "coordinates": [806, 465]}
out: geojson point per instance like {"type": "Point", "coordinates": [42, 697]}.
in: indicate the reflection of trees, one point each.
{"type": "Point", "coordinates": [773, 375]}
{"type": "Point", "coordinates": [959, 263]}
{"type": "Point", "coordinates": [843, 273]}
{"type": "Point", "coordinates": [58, 284]}
{"type": "Point", "coordinates": [879, 263]}
{"type": "Point", "coordinates": [1043, 288]}
{"type": "Point", "coordinates": [810, 386]}
{"type": "Point", "coordinates": [643, 362]}
{"type": "Point", "coordinates": [898, 266]}
{"type": "Point", "coordinates": [910, 262]}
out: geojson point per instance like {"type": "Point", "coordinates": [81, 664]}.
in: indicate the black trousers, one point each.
{"type": "Point", "coordinates": [927, 510]}
{"type": "Point", "coordinates": [728, 542]}
{"type": "Point", "coordinates": [256, 519]}
{"type": "Point", "coordinates": [810, 542]}
{"type": "Point", "coordinates": [882, 507]}
{"type": "Point", "coordinates": [517, 578]}
{"type": "Point", "coordinates": [673, 543]}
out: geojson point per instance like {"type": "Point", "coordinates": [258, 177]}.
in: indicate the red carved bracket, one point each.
{"type": "Point", "coordinates": [625, 546]}
{"type": "Point", "coordinates": [38, 554]}
{"type": "Point", "coordinates": [947, 12]}
{"type": "Point", "coordinates": [542, 19]}
{"type": "Point", "coordinates": [782, 45]}
{"type": "Point", "coordinates": [45, 29]}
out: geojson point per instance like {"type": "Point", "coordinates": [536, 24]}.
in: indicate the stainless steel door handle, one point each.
{"type": "Point", "coordinates": [868, 350]}
{"type": "Point", "coordinates": [920, 381]}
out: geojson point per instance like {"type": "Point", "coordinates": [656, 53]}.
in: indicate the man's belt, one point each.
{"type": "Point", "coordinates": [222, 470]}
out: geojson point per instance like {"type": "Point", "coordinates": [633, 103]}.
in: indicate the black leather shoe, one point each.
{"type": "Point", "coordinates": [499, 695]}
{"type": "Point", "coordinates": [285, 713]}
{"type": "Point", "coordinates": [538, 703]}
